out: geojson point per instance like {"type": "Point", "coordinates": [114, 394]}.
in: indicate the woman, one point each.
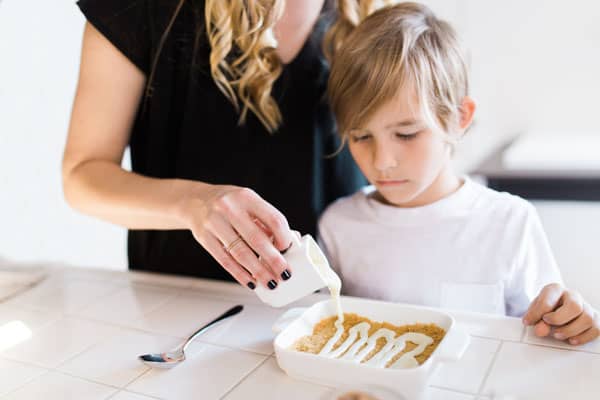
{"type": "Point", "coordinates": [221, 104]}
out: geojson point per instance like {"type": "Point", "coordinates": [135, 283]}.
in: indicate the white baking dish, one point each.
{"type": "Point", "coordinates": [410, 382]}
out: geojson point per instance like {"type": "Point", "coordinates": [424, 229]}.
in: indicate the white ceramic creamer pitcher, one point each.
{"type": "Point", "coordinates": [310, 272]}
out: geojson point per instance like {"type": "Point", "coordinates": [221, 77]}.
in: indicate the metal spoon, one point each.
{"type": "Point", "coordinates": [174, 357]}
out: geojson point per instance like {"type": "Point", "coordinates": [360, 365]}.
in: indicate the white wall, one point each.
{"type": "Point", "coordinates": [534, 65]}
{"type": "Point", "coordinates": [573, 230]}
{"type": "Point", "coordinates": [39, 54]}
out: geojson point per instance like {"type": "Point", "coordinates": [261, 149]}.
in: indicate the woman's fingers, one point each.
{"type": "Point", "coordinates": [271, 218]}
{"type": "Point", "coordinates": [235, 223]}
{"type": "Point", "coordinates": [245, 256]}
{"type": "Point", "coordinates": [239, 273]}
{"type": "Point", "coordinates": [258, 240]}
{"type": "Point", "coordinates": [261, 226]}
{"type": "Point", "coordinates": [235, 245]}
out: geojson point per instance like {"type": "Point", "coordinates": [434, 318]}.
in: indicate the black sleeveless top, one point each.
{"type": "Point", "coordinates": [188, 129]}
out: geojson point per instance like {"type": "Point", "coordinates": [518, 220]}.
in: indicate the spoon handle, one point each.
{"type": "Point", "coordinates": [229, 313]}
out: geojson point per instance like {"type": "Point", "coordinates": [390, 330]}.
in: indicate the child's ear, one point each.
{"type": "Point", "coordinates": [467, 112]}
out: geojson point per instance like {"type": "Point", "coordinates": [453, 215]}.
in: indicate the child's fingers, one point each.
{"type": "Point", "coordinates": [571, 308]}
{"type": "Point", "coordinates": [545, 302]}
{"type": "Point", "coordinates": [584, 322]}
{"type": "Point", "coordinates": [542, 329]}
{"type": "Point", "coordinates": [587, 336]}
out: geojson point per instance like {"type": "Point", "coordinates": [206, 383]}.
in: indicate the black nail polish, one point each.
{"type": "Point", "coordinates": [272, 284]}
{"type": "Point", "coordinates": [285, 275]}
{"type": "Point", "coordinates": [251, 285]}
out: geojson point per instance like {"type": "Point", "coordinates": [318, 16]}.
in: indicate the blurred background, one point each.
{"type": "Point", "coordinates": [534, 70]}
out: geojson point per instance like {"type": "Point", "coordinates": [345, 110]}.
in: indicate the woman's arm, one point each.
{"type": "Point", "coordinates": [109, 91]}
{"type": "Point", "coordinates": [108, 95]}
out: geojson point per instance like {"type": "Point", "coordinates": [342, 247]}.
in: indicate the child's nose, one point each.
{"type": "Point", "coordinates": [384, 158]}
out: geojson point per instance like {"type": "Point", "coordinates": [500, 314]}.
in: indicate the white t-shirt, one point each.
{"type": "Point", "coordinates": [477, 250]}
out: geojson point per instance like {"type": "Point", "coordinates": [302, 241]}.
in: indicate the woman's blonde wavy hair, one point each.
{"type": "Point", "coordinates": [405, 45]}
{"type": "Point", "coordinates": [243, 61]}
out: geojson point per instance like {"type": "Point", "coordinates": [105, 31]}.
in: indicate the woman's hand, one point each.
{"type": "Point", "coordinates": [243, 232]}
{"type": "Point", "coordinates": [564, 314]}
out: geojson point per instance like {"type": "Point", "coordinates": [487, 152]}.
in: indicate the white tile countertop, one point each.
{"type": "Point", "coordinates": [78, 333]}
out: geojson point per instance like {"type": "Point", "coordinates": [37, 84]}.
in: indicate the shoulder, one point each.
{"type": "Point", "coordinates": [501, 205]}
{"type": "Point", "coordinates": [346, 208]}
{"type": "Point", "coordinates": [136, 27]}
{"type": "Point", "coordinates": [160, 9]}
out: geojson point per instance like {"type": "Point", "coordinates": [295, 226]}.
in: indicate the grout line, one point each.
{"type": "Point", "coordinates": [126, 389]}
{"type": "Point", "coordinates": [524, 334]}
{"type": "Point", "coordinates": [231, 347]}
{"type": "Point", "coordinates": [93, 302]}
{"type": "Point", "coordinates": [167, 300]}
{"type": "Point", "coordinates": [137, 377]}
{"type": "Point", "coordinates": [111, 288]}
{"type": "Point", "coordinates": [130, 328]}
{"type": "Point", "coordinates": [87, 379]}
{"type": "Point", "coordinates": [46, 371]}
{"type": "Point", "coordinates": [228, 347]}
{"type": "Point", "coordinates": [557, 347]}
{"type": "Point", "coordinates": [489, 369]}
{"type": "Point", "coordinates": [153, 333]}
{"type": "Point", "coordinates": [528, 343]}
{"type": "Point", "coordinates": [136, 393]}
{"type": "Point", "coordinates": [112, 396]}
{"type": "Point", "coordinates": [495, 338]}
{"type": "Point", "coordinates": [156, 285]}
{"type": "Point", "coordinates": [27, 363]}
{"type": "Point", "coordinates": [243, 378]}
{"type": "Point", "coordinates": [452, 390]}
{"type": "Point", "coordinates": [68, 359]}
{"type": "Point", "coordinates": [234, 298]}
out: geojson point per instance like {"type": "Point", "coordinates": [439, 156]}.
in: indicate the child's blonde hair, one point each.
{"type": "Point", "coordinates": [404, 45]}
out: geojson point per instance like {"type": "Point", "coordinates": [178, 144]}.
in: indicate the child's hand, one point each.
{"type": "Point", "coordinates": [563, 313]}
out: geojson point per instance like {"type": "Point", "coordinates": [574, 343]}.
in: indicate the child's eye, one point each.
{"type": "Point", "coordinates": [407, 136]}
{"type": "Point", "coordinates": [360, 138]}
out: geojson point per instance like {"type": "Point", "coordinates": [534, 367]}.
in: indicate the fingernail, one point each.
{"type": "Point", "coordinates": [526, 322]}
{"type": "Point", "coordinates": [574, 341]}
{"type": "Point", "coordinates": [287, 248]}
{"type": "Point", "coordinates": [545, 318]}
{"type": "Point", "coordinates": [559, 336]}
{"type": "Point", "coordinates": [251, 285]}
{"type": "Point", "coordinates": [272, 284]}
{"type": "Point", "coordinates": [285, 275]}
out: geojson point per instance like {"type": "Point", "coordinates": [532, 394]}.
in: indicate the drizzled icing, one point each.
{"type": "Point", "coordinates": [353, 349]}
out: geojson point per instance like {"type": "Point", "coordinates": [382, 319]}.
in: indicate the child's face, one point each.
{"type": "Point", "coordinates": [401, 156]}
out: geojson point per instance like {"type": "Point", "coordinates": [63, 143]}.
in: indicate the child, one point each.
{"type": "Point", "coordinates": [421, 233]}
